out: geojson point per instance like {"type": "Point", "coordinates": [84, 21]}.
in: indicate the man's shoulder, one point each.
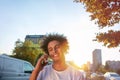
{"type": "Point", "coordinates": [75, 70]}
{"type": "Point", "coordinates": [47, 67]}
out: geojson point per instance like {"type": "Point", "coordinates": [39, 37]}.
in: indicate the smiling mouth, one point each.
{"type": "Point", "coordinates": [55, 55]}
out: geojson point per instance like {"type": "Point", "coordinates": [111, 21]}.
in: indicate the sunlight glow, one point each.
{"type": "Point", "coordinates": [76, 59]}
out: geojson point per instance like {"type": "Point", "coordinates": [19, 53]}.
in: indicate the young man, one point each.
{"type": "Point", "coordinates": [55, 46]}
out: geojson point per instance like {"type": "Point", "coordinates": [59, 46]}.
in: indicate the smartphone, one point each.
{"type": "Point", "coordinates": [44, 62]}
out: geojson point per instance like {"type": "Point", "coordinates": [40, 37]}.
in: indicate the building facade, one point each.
{"type": "Point", "coordinates": [113, 65]}
{"type": "Point", "coordinates": [97, 59]}
{"type": "Point", "coordinates": [36, 39]}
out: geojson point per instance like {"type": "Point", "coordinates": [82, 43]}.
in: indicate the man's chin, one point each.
{"type": "Point", "coordinates": [55, 59]}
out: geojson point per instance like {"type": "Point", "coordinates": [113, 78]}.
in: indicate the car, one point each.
{"type": "Point", "coordinates": [93, 75]}
{"type": "Point", "coordinates": [14, 69]}
{"type": "Point", "coordinates": [111, 76]}
{"type": "Point", "coordinates": [97, 76]}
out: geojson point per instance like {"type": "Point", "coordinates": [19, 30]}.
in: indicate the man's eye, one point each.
{"type": "Point", "coordinates": [50, 49]}
{"type": "Point", "coordinates": [57, 47]}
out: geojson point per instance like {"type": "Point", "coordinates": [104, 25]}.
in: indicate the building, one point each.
{"type": "Point", "coordinates": [97, 59]}
{"type": "Point", "coordinates": [36, 39]}
{"type": "Point", "coordinates": [113, 65]}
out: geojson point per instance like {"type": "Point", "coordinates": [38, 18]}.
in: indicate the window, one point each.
{"type": "Point", "coordinates": [28, 67]}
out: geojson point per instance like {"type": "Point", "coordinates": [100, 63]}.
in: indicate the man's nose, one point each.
{"type": "Point", "coordinates": [54, 50]}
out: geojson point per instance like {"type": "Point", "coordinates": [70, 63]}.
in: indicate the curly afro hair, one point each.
{"type": "Point", "coordinates": [55, 36]}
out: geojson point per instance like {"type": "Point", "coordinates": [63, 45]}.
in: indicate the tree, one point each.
{"type": "Point", "coordinates": [107, 67]}
{"type": "Point", "coordinates": [110, 39]}
{"type": "Point", "coordinates": [37, 58]}
{"type": "Point", "coordinates": [27, 51]}
{"type": "Point", "coordinates": [102, 69]}
{"type": "Point", "coordinates": [85, 67]}
{"type": "Point", "coordinates": [106, 13]}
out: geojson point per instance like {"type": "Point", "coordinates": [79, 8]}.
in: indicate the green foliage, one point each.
{"type": "Point", "coordinates": [102, 69]}
{"type": "Point", "coordinates": [37, 58]}
{"type": "Point", "coordinates": [85, 67]}
{"type": "Point", "coordinates": [27, 51]}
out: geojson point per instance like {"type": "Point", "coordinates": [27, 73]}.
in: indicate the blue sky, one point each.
{"type": "Point", "coordinates": [19, 18]}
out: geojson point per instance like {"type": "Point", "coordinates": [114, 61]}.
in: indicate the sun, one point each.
{"type": "Point", "coordinates": [75, 59]}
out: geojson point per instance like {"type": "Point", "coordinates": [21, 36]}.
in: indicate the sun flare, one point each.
{"type": "Point", "coordinates": [75, 59]}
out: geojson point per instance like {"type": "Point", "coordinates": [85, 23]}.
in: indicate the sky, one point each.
{"type": "Point", "coordinates": [19, 18]}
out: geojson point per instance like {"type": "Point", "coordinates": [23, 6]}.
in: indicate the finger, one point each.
{"type": "Point", "coordinates": [45, 55]}
{"type": "Point", "coordinates": [43, 60]}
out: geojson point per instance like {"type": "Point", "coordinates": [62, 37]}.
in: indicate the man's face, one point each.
{"type": "Point", "coordinates": [55, 50]}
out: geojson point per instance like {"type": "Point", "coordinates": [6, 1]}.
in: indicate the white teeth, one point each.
{"type": "Point", "coordinates": [55, 55]}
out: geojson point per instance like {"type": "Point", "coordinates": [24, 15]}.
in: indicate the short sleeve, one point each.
{"type": "Point", "coordinates": [39, 77]}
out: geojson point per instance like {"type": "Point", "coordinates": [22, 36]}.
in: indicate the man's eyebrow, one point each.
{"type": "Point", "coordinates": [57, 44]}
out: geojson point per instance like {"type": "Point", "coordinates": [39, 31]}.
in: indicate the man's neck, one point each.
{"type": "Point", "coordinates": [60, 66]}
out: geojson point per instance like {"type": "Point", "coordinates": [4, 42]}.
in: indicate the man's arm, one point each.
{"type": "Point", "coordinates": [38, 67]}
